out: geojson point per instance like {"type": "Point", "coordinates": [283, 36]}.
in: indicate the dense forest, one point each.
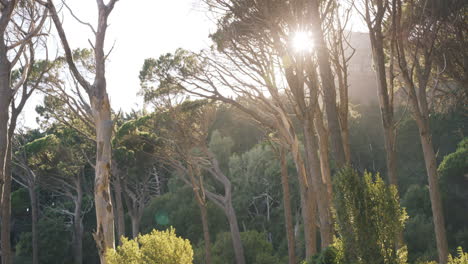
{"type": "Point", "coordinates": [290, 139]}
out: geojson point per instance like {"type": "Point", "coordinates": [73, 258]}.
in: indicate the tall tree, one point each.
{"type": "Point", "coordinates": [417, 25]}
{"type": "Point", "coordinates": [101, 111]}
{"type": "Point", "coordinates": [375, 14]}
{"type": "Point", "coordinates": [17, 47]}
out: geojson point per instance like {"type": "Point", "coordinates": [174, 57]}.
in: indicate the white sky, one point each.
{"type": "Point", "coordinates": [140, 29]}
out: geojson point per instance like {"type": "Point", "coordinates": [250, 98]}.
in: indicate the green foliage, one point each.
{"type": "Point", "coordinates": [454, 185]}
{"type": "Point", "coordinates": [54, 240]}
{"type": "Point", "coordinates": [462, 258]}
{"type": "Point", "coordinates": [369, 218]}
{"type": "Point", "coordinates": [157, 247]}
{"type": "Point", "coordinates": [257, 249]}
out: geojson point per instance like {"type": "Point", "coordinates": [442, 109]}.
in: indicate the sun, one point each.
{"type": "Point", "coordinates": [302, 41]}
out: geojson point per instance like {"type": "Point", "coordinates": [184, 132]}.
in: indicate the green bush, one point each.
{"type": "Point", "coordinates": [369, 219]}
{"type": "Point", "coordinates": [157, 247]}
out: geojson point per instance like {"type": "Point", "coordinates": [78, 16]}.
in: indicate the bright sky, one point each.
{"type": "Point", "coordinates": [140, 29]}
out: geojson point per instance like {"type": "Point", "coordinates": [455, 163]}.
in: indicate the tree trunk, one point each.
{"type": "Point", "coordinates": [206, 232]}
{"type": "Point", "coordinates": [5, 176]}
{"type": "Point", "coordinates": [78, 224]}
{"type": "Point", "coordinates": [386, 105]}
{"type": "Point", "coordinates": [135, 219]}
{"type": "Point", "coordinates": [201, 201]}
{"type": "Point", "coordinates": [434, 193]}
{"type": "Point", "coordinates": [118, 205]}
{"type": "Point", "coordinates": [6, 208]}
{"type": "Point", "coordinates": [321, 189]}
{"type": "Point", "coordinates": [235, 233]}
{"type": "Point", "coordinates": [328, 85]}
{"type": "Point", "coordinates": [287, 208]}
{"type": "Point", "coordinates": [34, 220]}
{"type": "Point", "coordinates": [308, 204]}
{"type": "Point", "coordinates": [104, 235]}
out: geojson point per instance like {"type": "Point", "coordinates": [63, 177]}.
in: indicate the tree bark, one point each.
{"type": "Point", "coordinates": [5, 180]}
{"type": "Point", "coordinates": [119, 209]}
{"type": "Point", "coordinates": [235, 233]}
{"type": "Point", "coordinates": [34, 220]}
{"type": "Point", "coordinates": [206, 232]}
{"type": "Point", "coordinates": [135, 225]}
{"type": "Point", "coordinates": [287, 208]}
{"type": "Point", "coordinates": [6, 207]}
{"type": "Point", "coordinates": [104, 236]}
{"type": "Point", "coordinates": [319, 184]}
{"type": "Point", "coordinates": [434, 192]}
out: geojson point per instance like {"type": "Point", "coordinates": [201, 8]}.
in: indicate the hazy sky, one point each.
{"type": "Point", "coordinates": [140, 29]}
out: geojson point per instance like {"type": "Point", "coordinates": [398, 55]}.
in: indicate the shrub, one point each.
{"type": "Point", "coordinates": [369, 219]}
{"type": "Point", "coordinates": [157, 247]}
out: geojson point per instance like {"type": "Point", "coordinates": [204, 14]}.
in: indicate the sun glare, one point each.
{"type": "Point", "coordinates": [302, 42]}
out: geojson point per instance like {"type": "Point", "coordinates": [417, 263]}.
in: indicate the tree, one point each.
{"type": "Point", "coordinates": [417, 30]}
{"type": "Point", "coordinates": [101, 112]}
{"type": "Point", "coordinates": [17, 47]}
{"type": "Point", "coordinates": [58, 159]}
{"type": "Point", "coordinates": [369, 218]}
{"type": "Point", "coordinates": [136, 173]}
{"type": "Point", "coordinates": [375, 15]}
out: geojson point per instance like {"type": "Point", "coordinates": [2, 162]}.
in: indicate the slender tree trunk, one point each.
{"type": "Point", "coordinates": [328, 84]}
{"type": "Point", "coordinates": [34, 220]}
{"type": "Point", "coordinates": [6, 208]}
{"type": "Point", "coordinates": [386, 105]}
{"type": "Point", "coordinates": [235, 233]}
{"type": "Point", "coordinates": [287, 208]}
{"type": "Point", "coordinates": [206, 232]}
{"type": "Point", "coordinates": [5, 176]}
{"type": "Point", "coordinates": [201, 201]}
{"type": "Point", "coordinates": [434, 192]}
{"type": "Point", "coordinates": [118, 204]}
{"type": "Point", "coordinates": [135, 219]}
{"type": "Point", "coordinates": [78, 224]}
{"type": "Point", "coordinates": [104, 235]}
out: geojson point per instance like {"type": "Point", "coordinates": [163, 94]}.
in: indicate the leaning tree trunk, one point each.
{"type": "Point", "coordinates": [434, 192]}
{"type": "Point", "coordinates": [287, 208]}
{"type": "Point", "coordinates": [34, 220]}
{"type": "Point", "coordinates": [201, 201]}
{"type": "Point", "coordinates": [235, 233]}
{"type": "Point", "coordinates": [307, 194]}
{"type": "Point", "coordinates": [104, 236]}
